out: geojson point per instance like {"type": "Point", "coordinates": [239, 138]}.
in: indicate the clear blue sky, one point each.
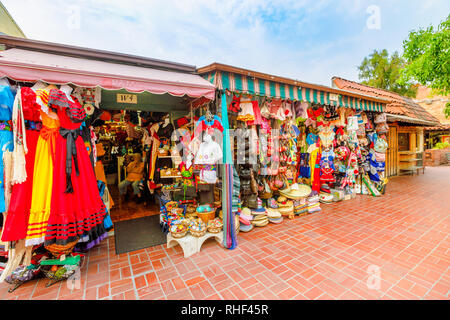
{"type": "Point", "coordinates": [306, 40]}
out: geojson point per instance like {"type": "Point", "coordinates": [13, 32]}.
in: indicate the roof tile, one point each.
{"type": "Point", "coordinates": [399, 105]}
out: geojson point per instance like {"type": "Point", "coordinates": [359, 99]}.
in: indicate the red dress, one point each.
{"type": "Point", "coordinates": [76, 208]}
{"type": "Point", "coordinates": [16, 223]}
{"type": "Point", "coordinates": [326, 175]}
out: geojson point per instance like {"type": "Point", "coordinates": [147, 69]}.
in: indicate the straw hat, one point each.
{"type": "Point", "coordinates": [258, 211]}
{"type": "Point", "coordinates": [261, 223]}
{"type": "Point", "coordinates": [326, 198]}
{"type": "Point", "coordinates": [246, 214]}
{"type": "Point", "coordinates": [245, 228]}
{"type": "Point", "coordinates": [273, 213]}
{"type": "Point", "coordinates": [276, 220]}
{"type": "Point", "coordinates": [259, 218]}
{"type": "Point", "coordinates": [287, 209]}
{"type": "Point", "coordinates": [296, 191]}
{"type": "Point", "coordinates": [245, 221]}
{"type": "Point", "coordinates": [246, 211]}
{"type": "Point", "coordinates": [285, 204]}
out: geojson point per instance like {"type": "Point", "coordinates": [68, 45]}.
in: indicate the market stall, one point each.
{"type": "Point", "coordinates": [58, 103]}
{"type": "Point", "coordinates": [298, 145]}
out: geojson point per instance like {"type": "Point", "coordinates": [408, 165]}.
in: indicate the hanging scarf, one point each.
{"type": "Point", "coordinates": [70, 136]}
{"type": "Point", "coordinates": [19, 173]}
{"type": "Point", "coordinates": [229, 230]}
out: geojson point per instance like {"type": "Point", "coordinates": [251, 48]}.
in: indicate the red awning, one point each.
{"type": "Point", "coordinates": [31, 66]}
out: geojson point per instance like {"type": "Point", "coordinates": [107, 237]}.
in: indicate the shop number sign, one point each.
{"type": "Point", "coordinates": [126, 98]}
{"type": "Point", "coordinates": [333, 97]}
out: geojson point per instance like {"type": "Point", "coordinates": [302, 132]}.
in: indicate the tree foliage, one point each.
{"type": "Point", "coordinates": [427, 56]}
{"type": "Point", "coordinates": [447, 110]}
{"type": "Point", "coordinates": [382, 71]}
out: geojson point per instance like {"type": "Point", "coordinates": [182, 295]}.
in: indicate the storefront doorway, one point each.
{"type": "Point", "coordinates": [124, 138]}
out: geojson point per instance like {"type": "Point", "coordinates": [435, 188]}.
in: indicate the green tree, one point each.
{"type": "Point", "coordinates": [427, 56]}
{"type": "Point", "coordinates": [382, 71]}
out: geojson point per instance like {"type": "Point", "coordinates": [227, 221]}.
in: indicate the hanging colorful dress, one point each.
{"type": "Point", "coordinates": [77, 209]}
{"type": "Point", "coordinates": [42, 179]}
{"type": "Point", "coordinates": [15, 226]}
{"type": "Point", "coordinates": [6, 134]}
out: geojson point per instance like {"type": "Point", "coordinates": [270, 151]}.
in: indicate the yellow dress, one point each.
{"type": "Point", "coordinates": [42, 180]}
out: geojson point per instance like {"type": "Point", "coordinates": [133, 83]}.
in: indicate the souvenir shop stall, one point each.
{"type": "Point", "coordinates": [298, 146]}
{"type": "Point", "coordinates": [54, 189]}
{"type": "Point", "coordinates": [204, 208]}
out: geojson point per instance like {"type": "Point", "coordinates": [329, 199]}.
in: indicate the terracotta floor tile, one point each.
{"type": "Point", "coordinates": [327, 255]}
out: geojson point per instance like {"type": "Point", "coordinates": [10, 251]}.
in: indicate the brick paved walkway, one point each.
{"type": "Point", "coordinates": [320, 256]}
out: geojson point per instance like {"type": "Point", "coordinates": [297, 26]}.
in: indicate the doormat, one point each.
{"type": "Point", "coordinates": [137, 234]}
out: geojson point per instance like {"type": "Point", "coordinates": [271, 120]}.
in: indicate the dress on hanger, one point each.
{"type": "Point", "coordinates": [42, 179]}
{"type": "Point", "coordinates": [15, 226]}
{"type": "Point", "coordinates": [76, 207]}
{"type": "Point", "coordinates": [246, 113]}
{"type": "Point", "coordinates": [6, 134]}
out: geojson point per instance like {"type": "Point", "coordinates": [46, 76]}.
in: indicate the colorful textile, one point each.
{"type": "Point", "coordinates": [246, 113]}
{"type": "Point", "coordinates": [229, 229]}
{"type": "Point", "coordinates": [203, 125]}
{"type": "Point", "coordinates": [16, 223]}
{"type": "Point", "coordinates": [42, 180]}
{"type": "Point", "coordinates": [71, 218]}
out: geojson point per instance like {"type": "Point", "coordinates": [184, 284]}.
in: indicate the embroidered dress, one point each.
{"type": "Point", "coordinates": [42, 179]}
{"type": "Point", "coordinates": [246, 113]}
{"type": "Point", "coordinates": [204, 125]}
{"type": "Point", "coordinates": [326, 175]}
{"type": "Point", "coordinates": [6, 134]}
{"type": "Point", "coordinates": [15, 226]}
{"type": "Point", "coordinates": [76, 206]}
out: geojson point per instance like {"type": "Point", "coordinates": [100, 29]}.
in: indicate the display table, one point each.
{"type": "Point", "coordinates": [191, 244]}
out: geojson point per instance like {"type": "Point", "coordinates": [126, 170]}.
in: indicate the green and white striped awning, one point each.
{"type": "Point", "coordinates": [250, 85]}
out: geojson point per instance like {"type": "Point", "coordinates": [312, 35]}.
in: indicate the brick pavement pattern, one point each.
{"type": "Point", "coordinates": [332, 254]}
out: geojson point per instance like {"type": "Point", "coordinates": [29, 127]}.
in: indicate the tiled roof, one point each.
{"type": "Point", "coordinates": [399, 105]}
{"type": "Point", "coordinates": [443, 127]}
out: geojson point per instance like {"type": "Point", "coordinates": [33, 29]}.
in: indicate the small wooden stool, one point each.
{"type": "Point", "coordinates": [191, 244]}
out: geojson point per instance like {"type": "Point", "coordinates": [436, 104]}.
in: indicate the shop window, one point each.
{"type": "Point", "coordinates": [403, 142]}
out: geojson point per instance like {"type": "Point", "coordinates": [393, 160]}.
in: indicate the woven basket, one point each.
{"type": "Point", "coordinates": [178, 211]}
{"type": "Point", "coordinates": [58, 250]}
{"type": "Point", "coordinates": [53, 277]}
{"type": "Point", "coordinates": [214, 229]}
{"type": "Point", "coordinates": [200, 233]}
{"type": "Point", "coordinates": [178, 235]}
{"type": "Point", "coordinates": [206, 216]}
